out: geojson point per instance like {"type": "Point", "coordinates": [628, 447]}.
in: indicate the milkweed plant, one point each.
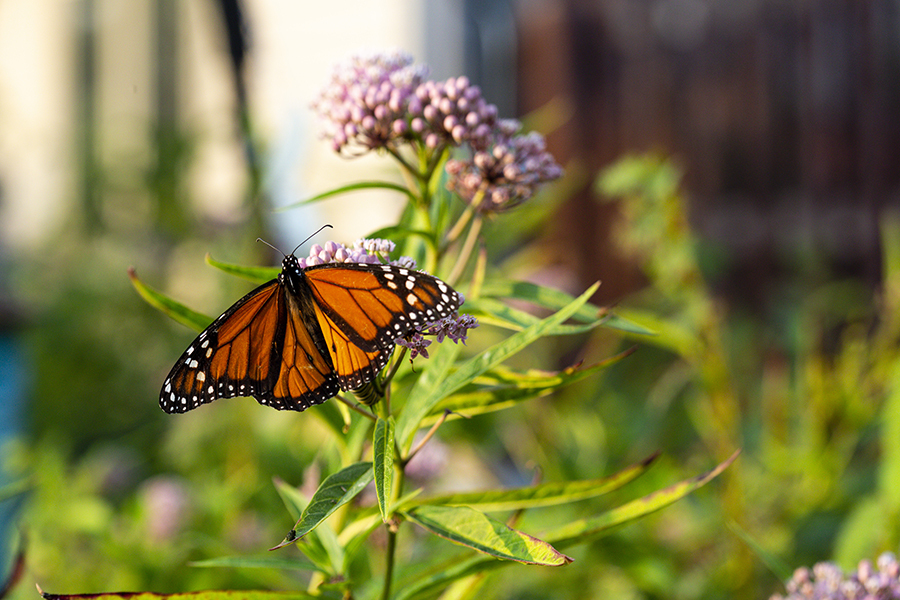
{"type": "Point", "coordinates": [463, 165]}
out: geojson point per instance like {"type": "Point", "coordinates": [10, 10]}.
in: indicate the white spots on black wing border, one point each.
{"type": "Point", "coordinates": [403, 283]}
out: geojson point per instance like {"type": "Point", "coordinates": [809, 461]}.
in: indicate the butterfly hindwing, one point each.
{"type": "Point", "coordinates": [305, 374]}
{"type": "Point", "coordinates": [354, 366]}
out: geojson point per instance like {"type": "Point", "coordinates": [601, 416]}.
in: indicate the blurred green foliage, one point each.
{"type": "Point", "coordinates": [122, 496]}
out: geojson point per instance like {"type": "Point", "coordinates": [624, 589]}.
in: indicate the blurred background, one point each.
{"type": "Point", "coordinates": [149, 133]}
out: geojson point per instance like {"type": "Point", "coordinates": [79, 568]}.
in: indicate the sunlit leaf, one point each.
{"type": "Point", "coordinates": [173, 308]}
{"type": "Point", "coordinates": [337, 489]}
{"type": "Point", "coordinates": [353, 187]}
{"type": "Point", "coordinates": [257, 562]}
{"type": "Point", "coordinates": [545, 494]}
{"type": "Point", "coordinates": [476, 530]}
{"type": "Point", "coordinates": [502, 388]}
{"type": "Point", "coordinates": [421, 404]}
{"type": "Point", "coordinates": [556, 299]}
{"type": "Point", "coordinates": [254, 274]}
{"type": "Point", "coordinates": [491, 311]}
{"type": "Point", "coordinates": [432, 579]}
{"type": "Point", "coordinates": [590, 528]}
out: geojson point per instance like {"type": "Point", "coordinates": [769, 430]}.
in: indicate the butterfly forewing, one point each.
{"type": "Point", "coordinates": [231, 357]}
{"type": "Point", "coordinates": [387, 302]}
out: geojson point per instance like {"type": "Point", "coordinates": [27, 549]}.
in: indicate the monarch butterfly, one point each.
{"type": "Point", "coordinates": [299, 339]}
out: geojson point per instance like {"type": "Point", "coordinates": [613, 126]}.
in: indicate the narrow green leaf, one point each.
{"type": "Point", "coordinates": [491, 311]}
{"type": "Point", "coordinates": [555, 299]}
{"type": "Point", "coordinates": [257, 562]}
{"type": "Point", "coordinates": [536, 294]}
{"type": "Point", "coordinates": [254, 274]}
{"type": "Point", "coordinates": [353, 187]}
{"type": "Point", "coordinates": [419, 406]}
{"type": "Point", "coordinates": [173, 308]}
{"type": "Point", "coordinates": [476, 530]}
{"type": "Point", "coordinates": [384, 463]}
{"type": "Point", "coordinates": [434, 371]}
{"type": "Point", "coordinates": [776, 564]}
{"type": "Point", "coordinates": [431, 579]}
{"type": "Point", "coordinates": [501, 388]}
{"type": "Point", "coordinates": [545, 494]}
{"type": "Point", "coordinates": [337, 489]}
{"type": "Point", "coordinates": [399, 234]}
{"type": "Point", "coordinates": [205, 595]}
{"type": "Point", "coordinates": [591, 528]}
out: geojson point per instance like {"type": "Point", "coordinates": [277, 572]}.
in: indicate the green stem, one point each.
{"type": "Point", "coordinates": [463, 259]}
{"type": "Point", "coordinates": [389, 565]}
{"type": "Point", "coordinates": [460, 225]}
{"type": "Point", "coordinates": [406, 166]}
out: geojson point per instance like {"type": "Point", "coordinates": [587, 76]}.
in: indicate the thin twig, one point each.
{"type": "Point", "coordinates": [355, 406]}
{"type": "Point", "coordinates": [428, 436]}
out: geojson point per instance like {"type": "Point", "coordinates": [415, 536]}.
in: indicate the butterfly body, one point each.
{"type": "Point", "coordinates": [299, 339]}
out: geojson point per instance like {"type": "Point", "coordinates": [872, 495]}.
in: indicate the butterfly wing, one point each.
{"type": "Point", "coordinates": [258, 347]}
{"type": "Point", "coordinates": [305, 375]}
{"type": "Point", "coordinates": [362, 309]}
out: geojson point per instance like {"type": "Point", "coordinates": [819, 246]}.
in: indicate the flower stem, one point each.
{"type": "Point", "coordinates": [466, 251]}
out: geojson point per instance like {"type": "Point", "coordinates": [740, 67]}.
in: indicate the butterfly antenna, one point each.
{"type": "Point", "coordinates": [313, 235]}
{"type": "Point", "coordinates": [271, 246]}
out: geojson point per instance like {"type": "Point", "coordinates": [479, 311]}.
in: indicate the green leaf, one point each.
{"type": "Point", "coordinates": [353, 187]}
{"type": "Point", "coordinates": [491, 311]}
{"type": "Point", "coordinates": [431, 579]}
{"type": "Point", "coordinates": [420, 405]}
{"type": "Point", "coordinates": [207, 595]}
{"type": "Point", "coordinates": [591, 528]}
{"type": "Point", "coordinates": [337, 489]}
{"type": "Point", "coordinates": [257, 562]}
{"type": "Point", "coordinates": [254, 274]}
{"type": "Point", "coordinates": [545, 494]}
{"type": "Point", "coordinates": [173, 308]}
{"type": "Point", "coordinates": [468, 527]}
{"type": "Point", "coordinates": [384, 463]}
{"type": "Point", "coordinates": [502, 388]}
{"type": "Point", "coordinates": [556, 299]}
{"type": "Point", "coordinates": [539, 295]}
{"type": "Point", "coordinates": [317, 546]}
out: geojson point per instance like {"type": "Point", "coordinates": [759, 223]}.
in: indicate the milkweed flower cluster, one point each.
{"type": "Point", "coordinates": [365, 251]}
{"type": "Point", "coordinates": [827, 581]}
{"type": "Point", "coordinates": [364, 106]}
{"type": "Point", "coordinates": [505, 173]}
{"type": "Point", "coordinates": [382, 101]}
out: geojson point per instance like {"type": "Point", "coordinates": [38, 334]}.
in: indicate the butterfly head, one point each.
{"type": "Point", "coordinates": [291, 272]}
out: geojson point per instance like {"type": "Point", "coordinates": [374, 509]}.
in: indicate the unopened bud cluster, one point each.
{"type": "Point", "coordinates": [366, 251]}
{"type": "Point", "coordinates": [506, 173]}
